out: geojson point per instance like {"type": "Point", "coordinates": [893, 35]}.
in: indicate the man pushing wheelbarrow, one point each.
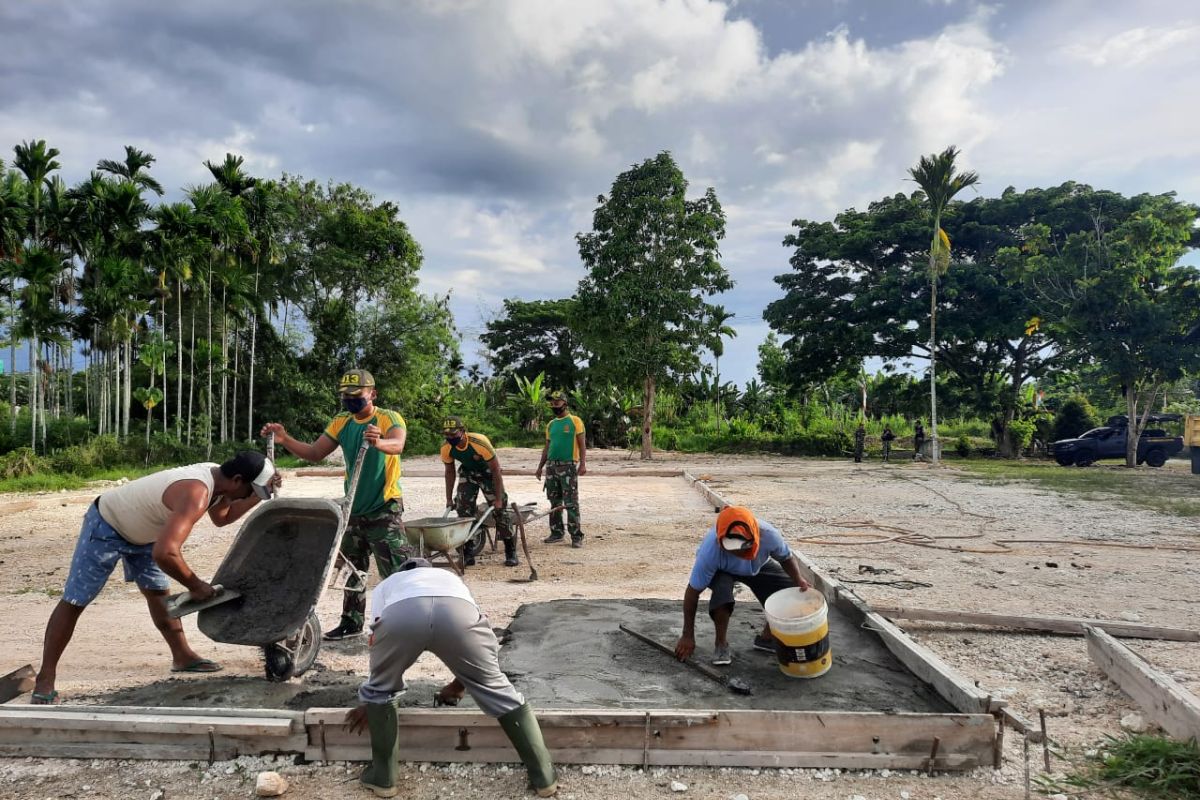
{"type": "Point", "coordinates": [376, 526]}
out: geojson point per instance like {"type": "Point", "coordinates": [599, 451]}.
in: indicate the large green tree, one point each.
{"type": "Point", "coordinates": [940, 180]}
{"type": "Point", "coordinates": [652, 258]}
{"type": "Point", "coordinates": [1119, 296]}
{"type": "Point", "coordinates": [858, 287]}
{"type": "Point", "coordinates": [536, 336]}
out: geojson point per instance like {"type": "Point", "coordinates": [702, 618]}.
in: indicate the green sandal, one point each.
{"type": "Point", "coordinates": [47, 699]}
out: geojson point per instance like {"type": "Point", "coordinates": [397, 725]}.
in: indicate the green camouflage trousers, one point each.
{"type": "Point", "coordinates": [562, 489]}
{"type": "Point", "coordinates": [380, 534]}
{"type": "Point", "coordinates": [470, 484]}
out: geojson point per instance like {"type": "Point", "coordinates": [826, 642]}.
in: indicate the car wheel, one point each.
{"type": "Point", "coordinates": [1065, 461]}
{"type": "Point", "coordinates": [1156, 457]}
{"type": "Point", "coordinates": [1083, 460]}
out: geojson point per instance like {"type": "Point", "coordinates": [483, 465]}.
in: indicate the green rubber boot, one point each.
{"type": "Point", "coordinates": [521, 727]}
{"type": "Point", "coordinates": [380, 775]}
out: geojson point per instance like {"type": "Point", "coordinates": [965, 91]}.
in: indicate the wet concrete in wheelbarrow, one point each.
{"type": "Point", "coordinates": [571, 654]}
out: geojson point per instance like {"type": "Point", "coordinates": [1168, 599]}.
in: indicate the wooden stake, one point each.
{"type": "Point", "coordinates": [1045, 739]}
{"type": "Point", "coordinates": [933, 752]}
{"type": "Point", "coordinates": [998, 745]}
{"type": "Point", "coordinates": [1027, 785]}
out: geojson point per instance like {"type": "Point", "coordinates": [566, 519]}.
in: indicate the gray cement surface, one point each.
{"type": "Point", "coordinates": [571, 654]}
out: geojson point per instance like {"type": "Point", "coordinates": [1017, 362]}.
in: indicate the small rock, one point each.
{"type": "Point", "coordinates": [1129, 616]}
{"type": "Point", "coordinates": [158, 795]}
{"type": "Point", "coordinates": [270, 784]}
{"type": "Point", "coordinates": [1058, 797]}
{"type": "Point", "coordinates": [738, 797]}
{"type": "Point", "coordinates": [857, 797]}
{"type": "Point", "coordinates": [905, 795]}
{"type": "Point", "coordinates": [1134, 723]}
{"type": "Point", "coordinates": [676, 786]}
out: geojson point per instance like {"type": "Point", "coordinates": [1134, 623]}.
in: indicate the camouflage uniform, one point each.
{"type": "Point", "coordinates": [562, 489]}
{"type": "Point", "coordinates": [470, 484]}
{"type": "Point", "coordinates": [381, 534]}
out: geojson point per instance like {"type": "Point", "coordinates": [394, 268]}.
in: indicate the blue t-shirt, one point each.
{"type": "Point", "coordinates": [711, 558]}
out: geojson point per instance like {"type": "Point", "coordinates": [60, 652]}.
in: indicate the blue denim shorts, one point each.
{"type": "Point", "coordinates": [99, 549]}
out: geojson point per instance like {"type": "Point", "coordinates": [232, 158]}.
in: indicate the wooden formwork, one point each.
{"type": "Point", "coordinates": [665, 737]}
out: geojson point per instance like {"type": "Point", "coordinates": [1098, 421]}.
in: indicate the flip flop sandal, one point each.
{"type": "Point", "coordinates": [200, 665]}
{"type": "Point", "coordinates": [48, 699]}
{"type": "Point", "coordinates": [438, 701]}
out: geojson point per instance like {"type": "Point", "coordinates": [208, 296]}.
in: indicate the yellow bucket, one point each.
{"type": "Point", "coordinates": [800, 623]}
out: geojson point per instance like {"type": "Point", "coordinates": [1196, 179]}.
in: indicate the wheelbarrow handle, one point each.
{"type": "Point", "coordinates": [348, 503]}
{"type": "Point", "coordinates": [482, 518]}
{"type": "Point", "coordinates": [545, 513]}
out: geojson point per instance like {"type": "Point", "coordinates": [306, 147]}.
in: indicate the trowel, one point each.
{"type": "Point", "coordinates": [182, 604]}
{"type": "Point", "coordinates": [733, 684]}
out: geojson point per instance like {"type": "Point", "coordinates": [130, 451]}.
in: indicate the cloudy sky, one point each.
{"type": "Point", "coordinates": [494, 125]}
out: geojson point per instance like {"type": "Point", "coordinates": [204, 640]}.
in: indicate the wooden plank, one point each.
{"type": "Point", "coordinates": [17, 683]}
{"type": "Point", "coordinates": [665, 737]}
{"type": "Point", "coordinates": [39, 717]}
{"type": "Point", "coordinates": [1169, 705]}
{"type": "Point", "coordinates": [1067, 625]}
{"type": "Point", "coordinates": [251, 745]}
{"type": "Point", "coordinates": [338, 472]}
{"type": "Point", "coordinates": [173, 711]}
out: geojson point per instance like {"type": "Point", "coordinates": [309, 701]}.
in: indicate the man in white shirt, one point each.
{"type": "Point", "coordinates": [419, 608]}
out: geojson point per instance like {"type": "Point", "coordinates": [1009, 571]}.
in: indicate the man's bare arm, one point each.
{"type": "Point", "coordinates": [323, 446]}
{"type": "Point", "coordinates": [497, 479]}
{"type": "Point", "coordinates": [187, 500]}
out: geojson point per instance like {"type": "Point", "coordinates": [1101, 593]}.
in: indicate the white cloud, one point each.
{"type": "Point", "coordinates": [1133, 46]}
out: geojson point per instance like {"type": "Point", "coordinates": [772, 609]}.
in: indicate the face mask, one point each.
{"type": "Point", "coordinates": [560, 411]}
{"type": "Point", "coordinates": [454, 440]}
{"type": "Point", "coordinates": [355, 405]}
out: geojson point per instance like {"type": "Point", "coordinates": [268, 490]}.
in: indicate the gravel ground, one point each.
{"type": "Point", "coordinates": [642, 533]}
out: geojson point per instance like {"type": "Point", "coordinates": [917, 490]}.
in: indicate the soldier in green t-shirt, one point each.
{"type": "Point", "coordinates": [565, 445]}
{"type": "Point", "coordinates": [376, 526]}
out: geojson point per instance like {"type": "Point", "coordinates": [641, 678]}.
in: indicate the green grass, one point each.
{"type": "Point", "coordinates": [53, 482]}
{"type": "Point", "coordinates": [1137, 766]}
{"type": "Point", "coordinates": [1168, 491]}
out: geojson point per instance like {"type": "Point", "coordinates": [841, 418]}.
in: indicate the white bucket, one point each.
{"type": "Point", "coordinates": [800, 624]}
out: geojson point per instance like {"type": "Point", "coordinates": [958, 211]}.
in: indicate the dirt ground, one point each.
{"type": "Point", "coordinates": [642, 532]}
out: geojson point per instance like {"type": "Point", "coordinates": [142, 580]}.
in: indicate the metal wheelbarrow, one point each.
{"type": "Point", "coordinates": [444, 534]}
{"type": "Point", "coordinates": [279, 563]}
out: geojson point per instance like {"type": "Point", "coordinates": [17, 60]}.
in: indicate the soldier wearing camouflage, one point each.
{"type": "Point", "coordinates": [564, 459]}
{"type": "Point", "coordinates": [478, 471]}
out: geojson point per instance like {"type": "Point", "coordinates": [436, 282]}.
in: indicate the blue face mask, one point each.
{"type": "Point", "coordinates": [454, 440]}
{"type": "Point", "coordinates": [355, 405]}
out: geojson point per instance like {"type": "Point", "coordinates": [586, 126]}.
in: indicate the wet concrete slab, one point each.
{"type": "Point", "coordinates": [571, 654]}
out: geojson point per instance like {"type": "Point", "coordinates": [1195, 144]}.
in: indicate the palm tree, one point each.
{"type": "Point", "coordinates": [40, 321]}
{"type": "Point", "coordinates": [940, 181]}
{"type": "Point", "coordinates": [174, 240]}
{"type": "Point", "coordinates": [718, 329]}
{"type": "Point", "coordinates": [132, 169]}
{"type": "Point", "coordinates": [13, 224]}
{"type": "Point", "coordinates": [36, 161]}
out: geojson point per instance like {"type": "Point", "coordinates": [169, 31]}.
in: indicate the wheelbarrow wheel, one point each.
{"type": "Point", "coordinates": [308, 644]}
{"type": "Point", "coordinates": [478, 540]}
{"type": "Point", "coordinates": [295, 655]}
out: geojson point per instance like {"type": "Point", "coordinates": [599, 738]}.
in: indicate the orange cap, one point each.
{"type": "Point", "coordinates": [731, 515]}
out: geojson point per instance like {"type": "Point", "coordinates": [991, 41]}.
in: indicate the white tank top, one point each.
{"type": "Point", "coordinates": [136, 510]}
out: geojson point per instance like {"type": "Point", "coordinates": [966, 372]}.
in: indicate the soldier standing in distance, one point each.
{"type": "Point", "coordinates": [565, 445]}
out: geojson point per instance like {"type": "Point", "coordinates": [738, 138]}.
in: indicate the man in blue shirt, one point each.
{"type": "Point", "coordinates": [738, 549]}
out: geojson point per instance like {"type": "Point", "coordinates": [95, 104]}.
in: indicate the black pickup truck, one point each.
{"type": "Point", "coordinates": [1154, 447]}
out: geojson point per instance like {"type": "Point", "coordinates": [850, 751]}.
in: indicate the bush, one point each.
{"type": "Point", "coordinates": [1022, 431]}
{"type": "Point", "coordinates": [21, 463]}
{"type": "Point", "coordinates": [963, 446]}
{"type": "Point", "coordinates": [1075, 417]}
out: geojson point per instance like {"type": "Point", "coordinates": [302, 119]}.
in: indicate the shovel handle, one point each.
{"type": "Point", "coordinates": [271, 447]}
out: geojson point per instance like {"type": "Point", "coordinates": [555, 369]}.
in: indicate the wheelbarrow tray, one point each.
{"type": "Point", "coordinates": [439, 533]}
{"type": "Point", "coordinates": [280, 562]}
{"type": "Point", "coordinates": [527, 510]}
